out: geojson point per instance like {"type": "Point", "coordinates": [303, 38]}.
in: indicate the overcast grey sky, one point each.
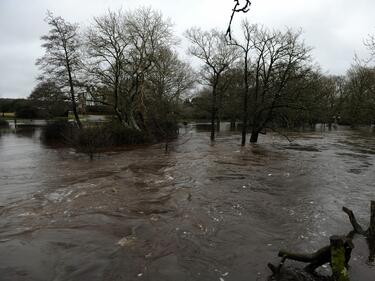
{"type": "Point", "coordinates": [334, 28]}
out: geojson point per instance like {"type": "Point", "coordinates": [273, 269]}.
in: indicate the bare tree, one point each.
{"type": "Point", "coordinates": [124, 51]}
{"type": "Point", "coordinates": [212, 49]}
{"type": "Point", "coordinates": [170, 79]}
{"type": "Point", "coordinates": [370, 44]}
{"type": "Point", "coordinates": [61, 62]}
{"type": "Point", "coordinates": [279, 58]}
{"type": "Point", "coordinates": [148, 33]}
{"type": "Point", "coordinates": [107, 43]}
{"type": "Point", "coordinates": [245, 46]}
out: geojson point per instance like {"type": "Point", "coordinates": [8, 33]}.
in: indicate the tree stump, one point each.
{"type": "Point", "coordinates": [339, 260]}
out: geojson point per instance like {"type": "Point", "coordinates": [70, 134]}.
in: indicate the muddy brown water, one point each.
{"type": "Point", "coordinates": [199, 212]}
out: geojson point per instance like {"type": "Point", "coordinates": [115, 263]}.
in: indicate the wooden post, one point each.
{"type": "Point", "coordinates": [338, 259]}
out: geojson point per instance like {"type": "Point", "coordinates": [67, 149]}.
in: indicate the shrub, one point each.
{"type": "Point", "coordinates": [95, 137]}
{"type": "Point", "coordinates": [58, 130]}
{"type": "Point", "coordinates": [164, 129]}
{"type": "Point", "coordinates": [121, 135]}
{"type": "Point", "coordinates": [92, 138]}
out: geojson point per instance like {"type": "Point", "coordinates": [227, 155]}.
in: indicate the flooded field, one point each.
{"type": "Point", "coordinates": [198, 212]}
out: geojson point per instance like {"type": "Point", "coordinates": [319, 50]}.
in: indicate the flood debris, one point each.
{"type": "Point", "coordinates": [369, 233]}
{"type": "Point", "coordinates": [337, 254]}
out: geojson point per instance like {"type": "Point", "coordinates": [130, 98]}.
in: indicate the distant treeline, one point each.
{"type": "Point", "coordinates": [125, 64]}
{"type": "Point", "coordinates": [36, 108]}
{"type": "Point", "coordinates": [345, 100]}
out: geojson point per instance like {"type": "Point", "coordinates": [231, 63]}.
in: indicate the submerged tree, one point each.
{"type": "Point", "coordinates": [62, 59]}
{"type": "Point", "coordinates": [279, 58]}
{"type": "Point", "coordinates": [245, 46]}
{"type": "Point", "coordinates": [166, 84]}
{"type": "Point", "coordinates": [106, 44]}
{"type": "Point", "coordinates": [212, 49]}
{"type": "Point", "coordinates": [132, 65]}
{"type": "Point", "coordinates": [149, 34]}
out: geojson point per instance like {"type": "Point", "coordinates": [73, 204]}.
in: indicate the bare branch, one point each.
{"type": "Point", "coordinates": [237, 9]}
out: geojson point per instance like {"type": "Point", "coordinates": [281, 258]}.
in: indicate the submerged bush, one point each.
{"type": "Point", "coordinates": [121, 135]}
{"type": "Point", "coordinates": [163, 130]}
{"type": "Point", "coordinates": [91, 139]}
{"type": "Point", "coordinates": [58, 130]}
{"type": "Point", "coordinates": [95, 137]}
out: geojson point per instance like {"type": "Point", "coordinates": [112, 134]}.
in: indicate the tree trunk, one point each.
{"type": "Point", "coordinates": [338, 259]}
{"type": "Point", "coordinates": [218, 123]}
{"type": "Point", "coordinates": [245, 104]}
{"type": "Point", "coordinates": [72, 93]}
{"type": "Point", "coordinates": [254, 136]}
{"type": "Point", "coordinates": [233, 124]}
{"type": "Point", "coordinates": [75, 112]}
{"type": "Point", "coordinates": [118, 114]}
{"type": "Point", "coordinates": [132, 122]}
{"type": "Point", "coordinates": [213, 109]}
{"type": "Point", "coordinates": [371, 230]}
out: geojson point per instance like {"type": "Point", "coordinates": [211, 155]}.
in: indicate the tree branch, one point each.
{"type": "Point", "coordinates": [237, 9]}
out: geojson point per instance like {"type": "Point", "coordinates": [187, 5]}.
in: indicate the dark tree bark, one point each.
{"type": "Point", "coordinates": [254, 135]}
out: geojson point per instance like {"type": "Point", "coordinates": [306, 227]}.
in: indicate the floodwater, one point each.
{"type": "Point", "coordinates": [198, 212]}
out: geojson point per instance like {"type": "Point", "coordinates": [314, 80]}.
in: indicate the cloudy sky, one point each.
{"type": "Point", "coordinates": [334, 28]}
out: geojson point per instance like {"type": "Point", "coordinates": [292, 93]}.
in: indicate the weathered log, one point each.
{"type": "Point", "coordinates": [295, 274]}
{"type": "Point", "coordinates": [370, 232]}
{"type": "Point", "coordinates": [320, 257]}
{"type": "Point", "coordinates": [339, 261]}
{"type": "Point", "coordinates": [338, 254]}
{"type": "Point", "coordinates": [357, 227]}
{"type": "Point", "coordinates": [316, 259]}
